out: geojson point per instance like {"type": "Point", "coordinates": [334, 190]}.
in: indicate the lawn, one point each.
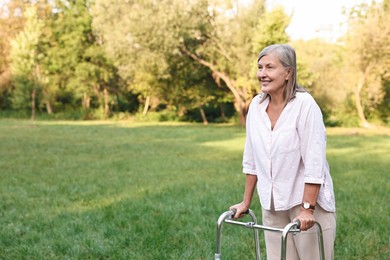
{"type": "Point", "coordinates": [120, 190]}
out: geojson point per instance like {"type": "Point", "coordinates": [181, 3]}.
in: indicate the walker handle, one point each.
{"type": "Point", "coordinates": [298, 222]}
{"type": "Point", "coordinates": [235, 211]}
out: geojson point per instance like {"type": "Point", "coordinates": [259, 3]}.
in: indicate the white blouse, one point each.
{"type": "Point", "coordinates": [290, 155]}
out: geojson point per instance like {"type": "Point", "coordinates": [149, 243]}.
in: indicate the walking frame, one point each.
{"type": "Point", "coordinates": [227, 217]}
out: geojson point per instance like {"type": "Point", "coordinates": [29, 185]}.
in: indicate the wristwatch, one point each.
{"type": "Point", "coordinates": [306, 205]}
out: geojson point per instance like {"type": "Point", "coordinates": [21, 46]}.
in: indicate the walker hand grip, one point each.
{"type": "Point", "coordinates": [235, 211]}
{"type": "Point", "coordinates": [298, 222]}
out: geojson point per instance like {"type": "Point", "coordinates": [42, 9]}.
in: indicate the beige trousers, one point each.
{"type": "Point", "coordinates": [303, 246]}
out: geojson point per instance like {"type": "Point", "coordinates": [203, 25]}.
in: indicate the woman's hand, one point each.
{"type": "Point", "coordinates": [241, 208]}
{"type": "Point", "coordinates": [250, 185]}
{"type": "Point", "coordinates": [306, 217]}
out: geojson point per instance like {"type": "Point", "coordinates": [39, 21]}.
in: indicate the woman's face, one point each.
{"type": "Point", "coordinates": [272, 75]}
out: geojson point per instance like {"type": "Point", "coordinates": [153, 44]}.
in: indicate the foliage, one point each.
{"type": "Point", "coordinates": [369, 55]}
{"type": "Point", "coordinates": [319, 66]}
{"type": "Point", "coordinates": [231, 49]}
{"type": "Point", "coordinates": [94, 59]}
{"type": "Point", "coordinates": [76, 61]}
{"type": "Point", "coordinates": [25, 58]}
{"type": "Point", "coordinates": [217, 35]}
{"type": "Point", "coordinates": [271, 29]}
{"type": "Point", "coordinates": [153, 66]}
{"type": "Point", "coordinates": [9, 28]}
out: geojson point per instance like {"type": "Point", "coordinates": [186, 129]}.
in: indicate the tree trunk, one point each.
{"type": "Point", "coordinates": [106, 107]}
{"type": "Point", "coordinates": [36, 80]}
{"type": "Point", "coordinates": [359, 107]}
{"type": "Point", "coordinates": [203, 114]}
{"type": "Point", "coordinates": [240, 106]}
{"type": "Point", "coordinates": [146, 107]}
{"type": "Point", "coordinates": [223, 116]}
{"type": "Point", "coordinates": [99, 96]}
{"type": "Point", "coordinates": [48, 107]}
{"type": "Point", "coordinates": [33, 94]}
{"type": "Point", "coordinates": [86, 103]}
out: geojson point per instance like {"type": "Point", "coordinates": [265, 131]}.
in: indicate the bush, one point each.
{"type": "Point", "coordinates": [161, 116]}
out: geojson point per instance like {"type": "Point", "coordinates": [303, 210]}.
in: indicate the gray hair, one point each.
{"type": "Point", "coordinates": [287, 57]}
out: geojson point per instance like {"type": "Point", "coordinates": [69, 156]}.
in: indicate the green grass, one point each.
{"type": "Point", "coordinates": [117, 190]}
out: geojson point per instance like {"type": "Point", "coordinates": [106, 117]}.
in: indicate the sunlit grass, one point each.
{"type": "Point", "coordinates": [122, 190]}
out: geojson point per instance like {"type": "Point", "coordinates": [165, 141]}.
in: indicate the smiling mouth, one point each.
{"type": "Point", "coordinates": [265, 83]}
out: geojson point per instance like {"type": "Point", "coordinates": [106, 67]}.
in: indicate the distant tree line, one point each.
{"type": "Point", "coordinates": [189, 60]}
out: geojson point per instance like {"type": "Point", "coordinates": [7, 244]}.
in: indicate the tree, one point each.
{"type": "Point", "coordinates": [138, 36]}
{"type": "Point", "coordinates": [271, 29]}
{"type": "Point", "coordinates": [189, 86]}
{"type": "Point", "coordinates": [319, 64]}
{"type": "Point", "coordinates": [76, 64]}
{"type": "Point", "coordinates": [368, 38]}
{"type": "Point", "coordinates": [11, 23]}
{"type": "Point", "coordinates": [226, 49]}
{"type": "Point", "coordinates": [231, 48]}
{"type": "Point", "coordinates": [25, 65]}
{"type": "Point", "coordinates": [217, 35]}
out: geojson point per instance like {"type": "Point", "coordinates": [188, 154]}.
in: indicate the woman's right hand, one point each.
{"type": "Point", "coordinates": [240, 209]}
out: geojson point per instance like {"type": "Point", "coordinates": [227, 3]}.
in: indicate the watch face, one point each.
{"type": "Point", "coordinates": [306, 205]}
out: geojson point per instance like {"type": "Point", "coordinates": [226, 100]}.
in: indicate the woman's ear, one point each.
{"type": "Point", "coordinates": [288, 73]}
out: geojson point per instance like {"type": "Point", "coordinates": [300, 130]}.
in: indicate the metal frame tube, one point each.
{"type": "Point", "coordinates": [289, 229]}
{"type": "Point", "coordinates": [226, 217]}
{"type": "Point", "coordinates": [285, 232]}
{"type": "Point", "coordinates": [220, 221]}
{"type": "Point", "coordinates": [320, 241]}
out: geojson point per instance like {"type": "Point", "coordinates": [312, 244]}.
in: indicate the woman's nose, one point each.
{"type": "Point", "coordinates": [261, 73]}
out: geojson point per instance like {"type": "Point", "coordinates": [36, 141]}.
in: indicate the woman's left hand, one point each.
{"type": "Point", "coordinates": [306, 217]}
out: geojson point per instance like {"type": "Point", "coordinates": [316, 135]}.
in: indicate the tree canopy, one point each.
{"type": "Point", "coordinates": [195, 59]}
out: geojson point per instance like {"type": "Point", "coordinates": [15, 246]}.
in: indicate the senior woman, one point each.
{"type": "Point", "coordinates": [285, 159]}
